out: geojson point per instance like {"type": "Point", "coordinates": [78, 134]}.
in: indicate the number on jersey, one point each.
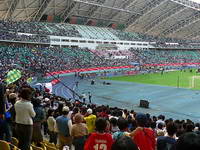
{"type": "Point", "coordinates": [100, 147]}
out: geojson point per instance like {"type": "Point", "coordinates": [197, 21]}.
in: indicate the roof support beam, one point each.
{"type": "Point", "coordinates": [150, 5]}
{"type": "Point", "coordinates": [11, 9]}
{"type": "Point", "coordinates": [124, 6]}
{"type": "Point", "coordinates": [92, 9]}
{"type": "Point", "coordinates": [162, 17]}
{"type": "Point", "coordinates": [95, 18]}
{"type": "Point", "coordinates": [103, 6]}
{"type": "Point", "coordinates": [194, 31]}
{"type": "Point", "coordinates": [41, 10]}
{"type": "Point", "coordinates": [188, 3]}
{"type": "Point", "coordinates": [69, 10]}
{"type": "Point", "coordinates": [181, 24]}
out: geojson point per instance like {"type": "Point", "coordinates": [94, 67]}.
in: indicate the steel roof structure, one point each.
{"type": "Point", "coordinates": [165, 18]}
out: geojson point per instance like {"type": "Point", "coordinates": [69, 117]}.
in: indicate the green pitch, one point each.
{"type": "Point", "coordinates": [181, 79]}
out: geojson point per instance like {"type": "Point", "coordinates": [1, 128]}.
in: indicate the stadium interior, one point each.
{"type": "Point", "coordinates": [99, 74]}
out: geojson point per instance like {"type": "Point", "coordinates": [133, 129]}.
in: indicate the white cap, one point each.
{"type": "Point", "coordinates": [89, 111]}
{"type": "Point", "coordinates": [66, 108]}
{"type": "Point", "coordinates": [46, 99]}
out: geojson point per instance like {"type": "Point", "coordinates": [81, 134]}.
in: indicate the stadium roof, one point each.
{"type": "Point", "coordinates": [167, 18]}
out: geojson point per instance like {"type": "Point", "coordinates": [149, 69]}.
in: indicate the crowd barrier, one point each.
{"type": "Point", "coordinates": [111, 69]}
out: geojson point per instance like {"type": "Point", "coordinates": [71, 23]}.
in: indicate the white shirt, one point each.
{"type": "Point", "coordinates": [70, 114]}
{"type": "Point", "coordinates": [24, 112]}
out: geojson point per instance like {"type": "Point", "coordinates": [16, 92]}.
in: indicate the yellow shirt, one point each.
{"type": "Point", "coordinates": [90, 122]}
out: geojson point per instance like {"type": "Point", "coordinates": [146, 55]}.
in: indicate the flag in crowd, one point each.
{"type": "Point", "coordinates": [13, 76]}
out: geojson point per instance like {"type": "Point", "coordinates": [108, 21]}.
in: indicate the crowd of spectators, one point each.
{"type": "Point", "coordinates": [37, 58]}
{"type": "Point", "coordinates": [24, 111]}
{"type": "Point", "coordinates": [40, 32]}
{"type": "Point", "coordinates": [151, 56]}
{"type": "Point", "coordinates": [37, 115]}
{"type": "Point", "coordinates": [49, 59]}
{"type": "Point", "coordinates": [39, 28]}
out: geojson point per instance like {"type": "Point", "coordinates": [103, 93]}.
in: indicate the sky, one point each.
{"type": "Point", "coordinates": [198, 1]}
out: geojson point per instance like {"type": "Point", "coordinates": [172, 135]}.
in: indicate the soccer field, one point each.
{"type": "Point", "coordinates": [182, 79]}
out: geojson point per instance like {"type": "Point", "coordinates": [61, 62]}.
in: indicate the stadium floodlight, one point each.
{"type": "Point", "coordinates": [108, 7]}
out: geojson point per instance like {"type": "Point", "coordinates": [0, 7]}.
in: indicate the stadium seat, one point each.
{"type": "Point", "coordinates": [7, 146]}
{"type": "Point", "coordinates": [51, 148]}
{"type": "Point", "coordinates": [14, 141]}
{"type": "Point", "coordinates": [4, 145]}
{"type": "Point", "coordinates": [51, 145]}
{"type": "Point", "coordinates": [36, 148]}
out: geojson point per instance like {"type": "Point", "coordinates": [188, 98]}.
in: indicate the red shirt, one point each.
{"type": "Point", "coordinates": [145, 139]}
{"type": "Point", "coordinates": [99, 141]}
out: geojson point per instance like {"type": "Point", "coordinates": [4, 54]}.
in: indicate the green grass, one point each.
{"type": "Point", "coordinates": [186, 79]}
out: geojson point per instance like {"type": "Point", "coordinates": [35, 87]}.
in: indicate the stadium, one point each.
{"type": "Point", "coordinates": [99, 74]}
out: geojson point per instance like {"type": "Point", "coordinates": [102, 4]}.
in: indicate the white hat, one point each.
{"type": "Point", "coordinates": [66, 108]}
{"type": "Point", "coordinates": [46, 99]}
{"type": "Point", "coordinates": [89, 111]}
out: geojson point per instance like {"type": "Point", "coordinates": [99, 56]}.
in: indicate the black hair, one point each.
{"type": "Point", "coordinates": [154, 118]}
{"type": "Point", "coordinates": [113, 121]}
{"type": "Point", "coordinates": [189, 127]}
{"type": "Point", "coordinates": [36, 102]}
{"type": "Point", "coordinates": [124, 143]}
{"type": "Point", "coordinates": [49, 113]}
{"type": "Point", "coordinates": [171, 128]}
{"type": "Point", "coordinates": [101, 124]}
{"type": "Point", "coordinates": [26, 93]}
{"type": "Point", "coordinates": [153, 125]}
{"type": "Point", "coordinates": [162, 117]}
{"type": "Point", "coordinates": [188, 141]}
{"type": "Point", "coordinates": [142, 122]}
{"type": "Point", "coordinates": [75, 110]}
{"type": "Point", "coordinates": [160, 126]}
{"type": "Point", "coordinates": [122, 123]}
{"type": "Point", "coordinates": [119, 113]}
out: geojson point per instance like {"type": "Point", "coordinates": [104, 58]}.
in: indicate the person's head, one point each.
{"type": "Point", "coordinates": [76, 110]}
{"type": "Point", "coordinates": [124, 143]}
{"type": "Point", "coordinates": [101, 124]}
{"type": "Point", "coordinates": [89, 111]}
{"type": "Point", "coordinates": [12, 98]}
{"type": "Point", "coordinates": [141, 119]}
{"type": "Point", "coordinates": [113, 122]}
{"type": "Point", "coordinates": [60, 107]}
{"type": "Point", "coordinates": [188, 141]}
{"type": "Point", "coordinates": [65, 110]}
{"type": "Point", "coordinates": [160, 126]}
{"type": "Point", "coordinates": [153, 125]}
{"type": "Point", "coordinates": [78, 118]}
{"type": "Point", "coordinates": [50, 112]}
{"type": "Point", "coordinates": [119, 113]}
{"type": "Point", "coordinates": [154, 118]}
{"type": "Point", "coordinates": [171, 128]}
{"type": "Point", "coordinates": [122, 124]}
{"type": "Point", "coordinates": [36, 102]}
{"type": "Point", "coordinates": [189, 127]}
{"type": "Point", "coordinates": [26, 93]}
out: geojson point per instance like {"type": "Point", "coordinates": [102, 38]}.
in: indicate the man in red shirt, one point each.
{"type": "Point", "coordinates": [143, 137]}
{"type": "Point", "coordinates": [99, 140]}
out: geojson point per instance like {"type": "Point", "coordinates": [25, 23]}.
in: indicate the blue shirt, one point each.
{"type": "Point", "coordinates": [165, 143]}
{"type": "Point", "coordinates": [62, 125]}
